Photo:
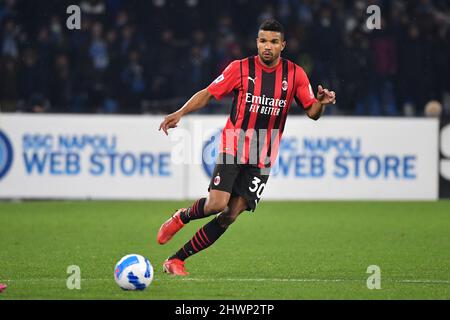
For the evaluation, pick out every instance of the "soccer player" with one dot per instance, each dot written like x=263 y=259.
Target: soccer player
x=264 y=87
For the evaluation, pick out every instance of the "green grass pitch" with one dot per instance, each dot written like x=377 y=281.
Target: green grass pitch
x=285 y=250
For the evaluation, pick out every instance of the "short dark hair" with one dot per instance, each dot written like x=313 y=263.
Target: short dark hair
x=272 y=25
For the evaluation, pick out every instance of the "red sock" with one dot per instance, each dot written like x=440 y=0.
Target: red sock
x=196 y=211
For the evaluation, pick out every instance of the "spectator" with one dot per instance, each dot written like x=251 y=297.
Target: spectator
x=385 y=67
x=134 y=84
x=9 y=41
x=433 y=109
x=30 y=77
x=134 y=53
x=8 y=84
x=412 y=70
x=61 y=93
x=8 y=10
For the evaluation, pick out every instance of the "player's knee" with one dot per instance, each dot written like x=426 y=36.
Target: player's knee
x=226 y=219
x=215 y=205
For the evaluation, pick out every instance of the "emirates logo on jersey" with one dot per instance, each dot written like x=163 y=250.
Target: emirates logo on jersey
x=265 y=101
x=265 y=105
x=284 y=85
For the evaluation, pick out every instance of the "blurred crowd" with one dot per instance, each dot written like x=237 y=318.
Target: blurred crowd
x=135 y=56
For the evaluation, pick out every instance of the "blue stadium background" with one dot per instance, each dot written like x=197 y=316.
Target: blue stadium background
x=137 y=56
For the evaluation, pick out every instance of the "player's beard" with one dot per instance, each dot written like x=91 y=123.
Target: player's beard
x=270 y=60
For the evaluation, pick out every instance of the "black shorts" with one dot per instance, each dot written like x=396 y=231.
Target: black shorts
x=244 y=180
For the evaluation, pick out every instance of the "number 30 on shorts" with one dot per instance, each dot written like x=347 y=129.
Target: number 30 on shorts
x=257 y=187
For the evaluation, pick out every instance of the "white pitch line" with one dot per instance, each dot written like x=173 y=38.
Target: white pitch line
x=423 y=281
x=265 y=280
x=172 y=278
x=308 y=280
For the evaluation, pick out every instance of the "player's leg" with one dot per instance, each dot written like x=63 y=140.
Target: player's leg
x=215 y=202
x=205 y=236
x=247 y=191
x=236 y=206
x=220 y=189
x=250 y=185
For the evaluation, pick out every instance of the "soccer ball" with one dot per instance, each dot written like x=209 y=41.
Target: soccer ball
x=133 y=272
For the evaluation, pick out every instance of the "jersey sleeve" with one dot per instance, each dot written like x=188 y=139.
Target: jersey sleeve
x=229 y=80
x=304 y=92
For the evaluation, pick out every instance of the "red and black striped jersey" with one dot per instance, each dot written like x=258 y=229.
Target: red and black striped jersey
x=262 y=98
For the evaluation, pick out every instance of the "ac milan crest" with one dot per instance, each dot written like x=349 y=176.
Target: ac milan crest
x=216 y=180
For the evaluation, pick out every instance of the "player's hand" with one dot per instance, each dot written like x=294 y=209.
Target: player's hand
x=169 y=122
x=326 y=96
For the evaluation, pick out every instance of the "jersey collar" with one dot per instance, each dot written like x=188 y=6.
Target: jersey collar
x=265 y=68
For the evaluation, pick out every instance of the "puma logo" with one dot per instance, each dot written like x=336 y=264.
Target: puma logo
x=252 y=79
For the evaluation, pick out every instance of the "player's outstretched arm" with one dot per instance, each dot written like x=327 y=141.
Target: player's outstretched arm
x=324 y=97
x=198 y=101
